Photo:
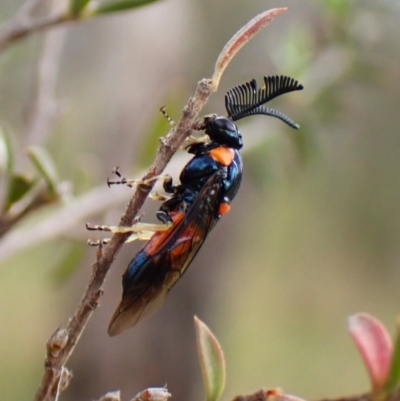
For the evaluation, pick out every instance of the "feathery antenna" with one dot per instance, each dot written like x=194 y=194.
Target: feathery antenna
x=245 y=100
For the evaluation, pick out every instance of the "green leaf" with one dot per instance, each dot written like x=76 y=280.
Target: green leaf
x=120 y=5
x=18 y=187
x=296 y=51
x=394 y=371
x=46 y=167
x=72 y=254
x=339 y=7
x=76 y=6
x=6 y=155
x=212 y=361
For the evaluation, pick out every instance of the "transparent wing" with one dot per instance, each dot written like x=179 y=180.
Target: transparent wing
x=146 y=290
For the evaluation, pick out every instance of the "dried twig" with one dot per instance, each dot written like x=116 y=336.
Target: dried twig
x=22 y=25
x=55 y=362
x=89 y=301
x=19 y=27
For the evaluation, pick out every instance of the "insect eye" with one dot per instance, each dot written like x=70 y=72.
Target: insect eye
x=223 y=131
x=224 y=124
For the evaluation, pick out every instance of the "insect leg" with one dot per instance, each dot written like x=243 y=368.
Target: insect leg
x=168 y=187
x=190 y=140
x=103 y=241
x=142 y=236
x=131 y=182
x=154 y=195
x=166 y=115
x=134 y=229
x=122 y=180
x=193 y=140
x=138 y=231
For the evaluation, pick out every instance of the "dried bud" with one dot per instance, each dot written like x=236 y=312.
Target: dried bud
x=57 y=342
x=111 y=396
x=153 y=394
x=66 y=376
x=278 y=395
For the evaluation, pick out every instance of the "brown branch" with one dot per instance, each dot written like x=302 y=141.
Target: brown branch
x=36 y=199
x=55 y=362
x=15 y=31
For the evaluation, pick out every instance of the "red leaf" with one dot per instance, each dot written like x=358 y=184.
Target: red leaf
x=375 y=346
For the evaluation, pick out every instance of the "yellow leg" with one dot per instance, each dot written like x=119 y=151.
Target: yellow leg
x=103 y=241
x=142 y=236
x=154 y=195
x=135 y=228
x=138 y=231
x=192 y=140
x=133 y=182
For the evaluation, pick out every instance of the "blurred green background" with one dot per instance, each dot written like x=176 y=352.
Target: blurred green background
x=313 y=235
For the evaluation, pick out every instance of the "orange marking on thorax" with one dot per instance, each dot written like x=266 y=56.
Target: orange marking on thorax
x=223 y=155
x=159 y=237
x=223 y=208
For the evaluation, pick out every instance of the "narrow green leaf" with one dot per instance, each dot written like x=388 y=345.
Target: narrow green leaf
x=296 y=51
x=339 y=7
x=120 y=5
x=6 y=156
x=394 y=371
x=76 y=6
x=72 y=254
x=212 y=361
x=18 y=187
x=46 y=167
